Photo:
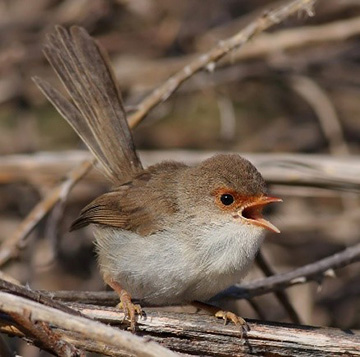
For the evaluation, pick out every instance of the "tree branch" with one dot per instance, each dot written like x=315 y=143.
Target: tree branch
x=311 y=272
x=120 y=340
x=185 y=333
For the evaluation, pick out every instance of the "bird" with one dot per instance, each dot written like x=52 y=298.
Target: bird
x=167 y=234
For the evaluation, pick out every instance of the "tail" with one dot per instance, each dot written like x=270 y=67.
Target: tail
x=97 y=113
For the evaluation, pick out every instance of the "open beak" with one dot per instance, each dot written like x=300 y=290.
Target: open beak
x=252 y=212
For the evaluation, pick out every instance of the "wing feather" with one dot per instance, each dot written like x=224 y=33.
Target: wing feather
x=143 y=205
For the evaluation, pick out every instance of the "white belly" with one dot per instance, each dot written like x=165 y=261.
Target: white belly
x=165 y=269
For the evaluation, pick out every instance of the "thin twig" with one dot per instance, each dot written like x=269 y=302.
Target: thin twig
x=11 y=247
x=315 y=170
x=311 y=272
x=280 y=294
x=256 y=307
x=38 y=296
x=208 y=60
x=263 y=46
x=57 y=212
x=329 y=121
x=42 y=335
x=288 y=39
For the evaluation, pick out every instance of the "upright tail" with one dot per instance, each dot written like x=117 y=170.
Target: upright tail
x=96 y=112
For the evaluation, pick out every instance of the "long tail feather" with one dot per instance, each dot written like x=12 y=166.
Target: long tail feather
x=97 y=113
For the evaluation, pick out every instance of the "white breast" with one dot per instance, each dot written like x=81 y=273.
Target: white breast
x=223 y=256
x=166 y=269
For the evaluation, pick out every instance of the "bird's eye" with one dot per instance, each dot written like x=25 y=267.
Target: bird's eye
x=227 y=199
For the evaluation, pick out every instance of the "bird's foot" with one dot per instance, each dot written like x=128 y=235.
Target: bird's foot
x=226 y=315
x=237 y=320
x=130 y=309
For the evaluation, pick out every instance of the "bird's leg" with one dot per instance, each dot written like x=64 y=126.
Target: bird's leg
x=130 y=309
x=226 y=315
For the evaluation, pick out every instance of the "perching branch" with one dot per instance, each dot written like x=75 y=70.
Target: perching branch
x=123 y=341
x=185 y=333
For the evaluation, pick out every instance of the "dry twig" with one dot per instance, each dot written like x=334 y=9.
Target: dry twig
x=42 y=336
x=326 y=171
x=311 y=272
x=122 y=340
x=186 y=333
x=263 y=46
x=280 y=294
x=11 y=247
x=329 y=121
x=37 y=296
x=208 y=60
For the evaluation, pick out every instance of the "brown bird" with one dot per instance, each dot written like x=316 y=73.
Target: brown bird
x=170 y=233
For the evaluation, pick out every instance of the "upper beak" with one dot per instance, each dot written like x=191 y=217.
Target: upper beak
x=252 y=212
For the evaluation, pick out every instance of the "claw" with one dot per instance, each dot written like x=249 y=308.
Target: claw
x=131 y=311
x=237 y=320
x=226 y=315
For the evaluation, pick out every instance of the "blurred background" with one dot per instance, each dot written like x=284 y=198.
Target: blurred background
x=294 y=90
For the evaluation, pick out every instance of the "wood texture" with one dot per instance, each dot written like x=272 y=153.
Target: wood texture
x=204 y=335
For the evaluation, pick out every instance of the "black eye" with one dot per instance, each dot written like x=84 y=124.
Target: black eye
x=227 y=199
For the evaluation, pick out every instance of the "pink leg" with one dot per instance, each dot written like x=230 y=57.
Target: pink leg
x=130 y=309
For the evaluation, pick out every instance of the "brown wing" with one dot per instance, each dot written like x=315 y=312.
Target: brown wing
x=97 y=114
x=141 y=206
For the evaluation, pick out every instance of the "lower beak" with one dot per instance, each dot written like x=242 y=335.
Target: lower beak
x=252 y=212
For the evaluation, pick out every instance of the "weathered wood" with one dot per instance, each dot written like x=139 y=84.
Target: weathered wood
x=38 y=313
x=206 y=336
